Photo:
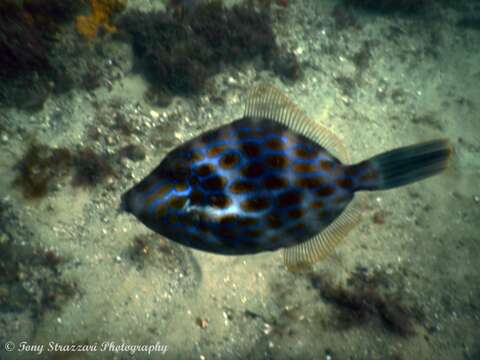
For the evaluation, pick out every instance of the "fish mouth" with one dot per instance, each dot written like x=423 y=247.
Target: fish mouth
x=123 y=207
x=132 y=202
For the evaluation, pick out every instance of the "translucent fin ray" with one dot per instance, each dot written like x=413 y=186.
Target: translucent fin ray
x=323 y=244
x=265 y=101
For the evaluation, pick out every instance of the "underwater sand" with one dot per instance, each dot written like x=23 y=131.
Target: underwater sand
x=417 y=247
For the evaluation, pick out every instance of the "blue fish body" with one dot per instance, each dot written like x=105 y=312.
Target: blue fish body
x=246 y=187
x=260 y=184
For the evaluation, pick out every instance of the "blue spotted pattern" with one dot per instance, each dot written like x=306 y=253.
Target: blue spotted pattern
x=249 y=186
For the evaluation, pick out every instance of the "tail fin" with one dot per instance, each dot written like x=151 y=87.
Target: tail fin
x=401 y=166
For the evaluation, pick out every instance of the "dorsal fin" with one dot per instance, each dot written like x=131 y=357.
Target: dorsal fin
x=265 y=101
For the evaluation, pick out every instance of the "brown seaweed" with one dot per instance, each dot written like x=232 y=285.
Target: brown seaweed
x=179 y=55
x=362 y=301
x=42 y=168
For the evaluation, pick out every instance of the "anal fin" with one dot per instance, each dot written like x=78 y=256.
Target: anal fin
x=303 y=255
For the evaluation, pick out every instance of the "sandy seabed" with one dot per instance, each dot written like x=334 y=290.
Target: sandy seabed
x=106 y=287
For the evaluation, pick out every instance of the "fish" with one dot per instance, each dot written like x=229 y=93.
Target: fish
x=272 y=179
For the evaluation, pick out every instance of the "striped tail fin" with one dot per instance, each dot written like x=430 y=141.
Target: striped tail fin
x=401 y=166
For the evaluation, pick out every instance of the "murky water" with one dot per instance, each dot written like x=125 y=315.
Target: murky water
x=94 y=95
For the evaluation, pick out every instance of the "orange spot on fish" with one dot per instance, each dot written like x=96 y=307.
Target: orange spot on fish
x=255 y=204
x=159 y=193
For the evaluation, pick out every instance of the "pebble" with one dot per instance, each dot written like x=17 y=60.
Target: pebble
x=203 y=323
x=298 y=51
x=476 y=198
x=267 y=328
